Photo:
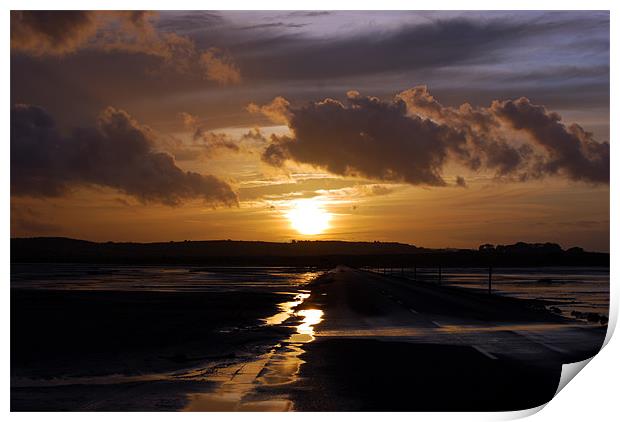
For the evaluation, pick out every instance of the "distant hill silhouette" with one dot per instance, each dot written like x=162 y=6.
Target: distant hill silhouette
x=306 y=253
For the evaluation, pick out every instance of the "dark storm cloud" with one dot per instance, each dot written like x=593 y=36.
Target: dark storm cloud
x=412 y=137
x=369 y=138
x=309 y=13
x=273 y=25
x=436 y=43
x=466 y=58
x=183 y=22
x=487 y=146
x=571 y=150
x=118 y=153
x=560 y=73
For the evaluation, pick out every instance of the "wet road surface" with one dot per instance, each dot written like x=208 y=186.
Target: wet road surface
x=365 y=305
x=393 y=344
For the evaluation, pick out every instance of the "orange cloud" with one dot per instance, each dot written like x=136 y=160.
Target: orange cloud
x=219 y=67
x=58 y=33
x=278 y=110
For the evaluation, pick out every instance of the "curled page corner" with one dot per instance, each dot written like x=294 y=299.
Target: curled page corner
x=518 y=414
x=569 y=371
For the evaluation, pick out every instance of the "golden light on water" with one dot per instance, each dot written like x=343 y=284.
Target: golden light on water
x=286 y=310
x=305 y=331
x=308 y=217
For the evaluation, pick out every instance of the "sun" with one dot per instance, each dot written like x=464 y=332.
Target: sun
x=308 y=217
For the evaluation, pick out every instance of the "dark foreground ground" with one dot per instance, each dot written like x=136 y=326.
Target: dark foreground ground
x=384 y=343
x=373 y=375
x=91 y=333
x=58 y=335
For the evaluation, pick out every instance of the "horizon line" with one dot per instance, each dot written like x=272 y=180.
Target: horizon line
x=292 y=241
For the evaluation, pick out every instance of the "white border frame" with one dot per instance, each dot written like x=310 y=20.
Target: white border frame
x=590 y=396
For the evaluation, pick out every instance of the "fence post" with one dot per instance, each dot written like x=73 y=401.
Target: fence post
x=415 y=273
x=490 y=277
x=440 y=274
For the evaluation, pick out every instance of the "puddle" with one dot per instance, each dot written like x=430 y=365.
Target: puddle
x=286 y=310
x=238 y=390
x=305 y=331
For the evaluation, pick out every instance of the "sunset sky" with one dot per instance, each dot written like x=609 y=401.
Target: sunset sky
x=439 y=129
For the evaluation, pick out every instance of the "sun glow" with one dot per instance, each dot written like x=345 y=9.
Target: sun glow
x=308 y=217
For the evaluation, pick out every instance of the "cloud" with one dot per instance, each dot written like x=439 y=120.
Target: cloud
x=213 y=140
x=571 y=150
x=59 y=33
x=369 y=138
x=273 y=25
x=358 y=191
x=51 y=32
x=254 y=135
x=204 y=143
x=310 y=13
x=439 y=41
x=278 y=110
x=189 y=21
x=205 y=140
x=189 y=120
x=290 y=188
x=118 y=152
x=411 y=138
x=487 y=144
x=379 y=190
x=219 y=67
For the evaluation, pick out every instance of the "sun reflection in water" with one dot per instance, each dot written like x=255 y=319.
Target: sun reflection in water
x=305 y=330
x=238 y=383
x=286 y=310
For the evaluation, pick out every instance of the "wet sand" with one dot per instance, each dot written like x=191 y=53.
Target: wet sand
x=93 y=333
x=115 y=350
